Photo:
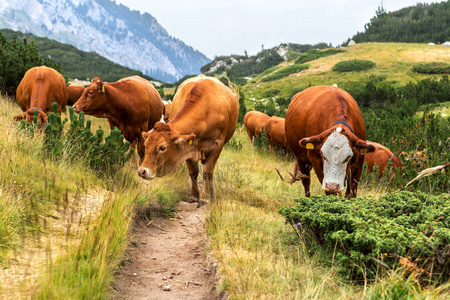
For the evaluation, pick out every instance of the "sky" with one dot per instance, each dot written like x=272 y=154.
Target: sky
x=225 y=27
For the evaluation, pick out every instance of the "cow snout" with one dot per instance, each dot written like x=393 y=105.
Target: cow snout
x=75 y=108
x=144 y=173
x=331 y=187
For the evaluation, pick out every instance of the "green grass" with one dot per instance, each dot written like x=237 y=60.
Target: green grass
x=63 y=229
x=67 y=229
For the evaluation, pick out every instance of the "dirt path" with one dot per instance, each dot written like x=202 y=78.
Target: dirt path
x=167 y=259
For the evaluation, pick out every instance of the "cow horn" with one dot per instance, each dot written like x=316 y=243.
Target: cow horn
x=299 y=176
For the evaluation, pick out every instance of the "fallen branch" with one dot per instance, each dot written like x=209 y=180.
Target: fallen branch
x=428 y=172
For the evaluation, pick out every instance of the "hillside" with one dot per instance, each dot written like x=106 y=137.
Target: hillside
x=393 y=64
x=239 y=67
x=75 y=63
x=423 y=23
x=121 y=35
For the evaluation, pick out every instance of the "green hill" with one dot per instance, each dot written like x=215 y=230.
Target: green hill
x=76 y=63
x=394 y=64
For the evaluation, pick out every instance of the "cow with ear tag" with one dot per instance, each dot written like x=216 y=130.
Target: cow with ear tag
x=325 y=130
x=204 y=118
x=131 y=104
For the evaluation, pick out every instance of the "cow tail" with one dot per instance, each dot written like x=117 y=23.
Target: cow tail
x=234 y=89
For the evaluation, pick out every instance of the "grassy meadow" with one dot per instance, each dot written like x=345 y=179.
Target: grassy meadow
x=64 y=230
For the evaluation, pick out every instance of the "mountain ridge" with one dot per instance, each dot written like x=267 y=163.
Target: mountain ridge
x=121 y=35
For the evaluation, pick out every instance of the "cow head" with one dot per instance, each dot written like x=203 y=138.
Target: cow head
x=42 y=117
x=165 y=150
x=336 y=147
x=92 y=99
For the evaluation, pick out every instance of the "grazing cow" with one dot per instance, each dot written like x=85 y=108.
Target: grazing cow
x=75 y=92
x=38 y=89
x=381 y=157
x=254 y=122
x=131 y=104
x=325 y=131
x=205 y=114
x=276 y=135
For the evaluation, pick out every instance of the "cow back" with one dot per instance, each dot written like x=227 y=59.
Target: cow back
x=254 y=121
x=381 y=157
x=205 y=106
x=275 y=130
x=40 y=87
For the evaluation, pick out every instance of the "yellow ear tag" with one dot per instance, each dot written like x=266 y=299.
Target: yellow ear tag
x=309 y=146
x=103 y=88
x=190 y=142
x=363 y=151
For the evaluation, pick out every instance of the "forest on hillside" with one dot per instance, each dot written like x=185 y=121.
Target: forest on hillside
x=423 y=23
x=74 y=63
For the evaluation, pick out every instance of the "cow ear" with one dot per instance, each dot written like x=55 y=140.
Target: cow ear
x=100 y=87
x=364 y=147
x=310 y=142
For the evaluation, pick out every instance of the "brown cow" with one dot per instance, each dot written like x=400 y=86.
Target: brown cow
x=276 y=135
x=254 y=122
x=205 y=114
x=38 y=89
x=381 y=157
x=131 y=104
x=167 y=112
x=325 y=130
x=75 y=92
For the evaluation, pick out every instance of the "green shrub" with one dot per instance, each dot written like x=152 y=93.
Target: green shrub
x=15 y=59
x=432 y=68
x=234 y=144
x=105 y=156
x=261 y=143
x=353 y=65
x=314 y=54
x=285 y=72
x=393 y=229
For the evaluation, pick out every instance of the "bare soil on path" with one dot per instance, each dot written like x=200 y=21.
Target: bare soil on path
x=167 y=259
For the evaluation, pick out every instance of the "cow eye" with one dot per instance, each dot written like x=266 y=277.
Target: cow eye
x=162 y=148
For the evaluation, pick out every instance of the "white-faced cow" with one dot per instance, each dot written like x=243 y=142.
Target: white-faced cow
x=325 y=130
x=204 y=118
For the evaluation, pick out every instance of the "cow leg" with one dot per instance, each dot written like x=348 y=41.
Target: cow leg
x=352 y=187
x=193 y=173
x=305 y=169
x=208 y=171
x=20 y=117
x=141 y=148
x=133 y=161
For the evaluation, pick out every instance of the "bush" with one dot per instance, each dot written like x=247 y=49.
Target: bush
x=353 y=65
x=261 y=143
x=401 y=229
x=285 y=72
x=432 y=68
x=314 y=54
x=105 y=157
